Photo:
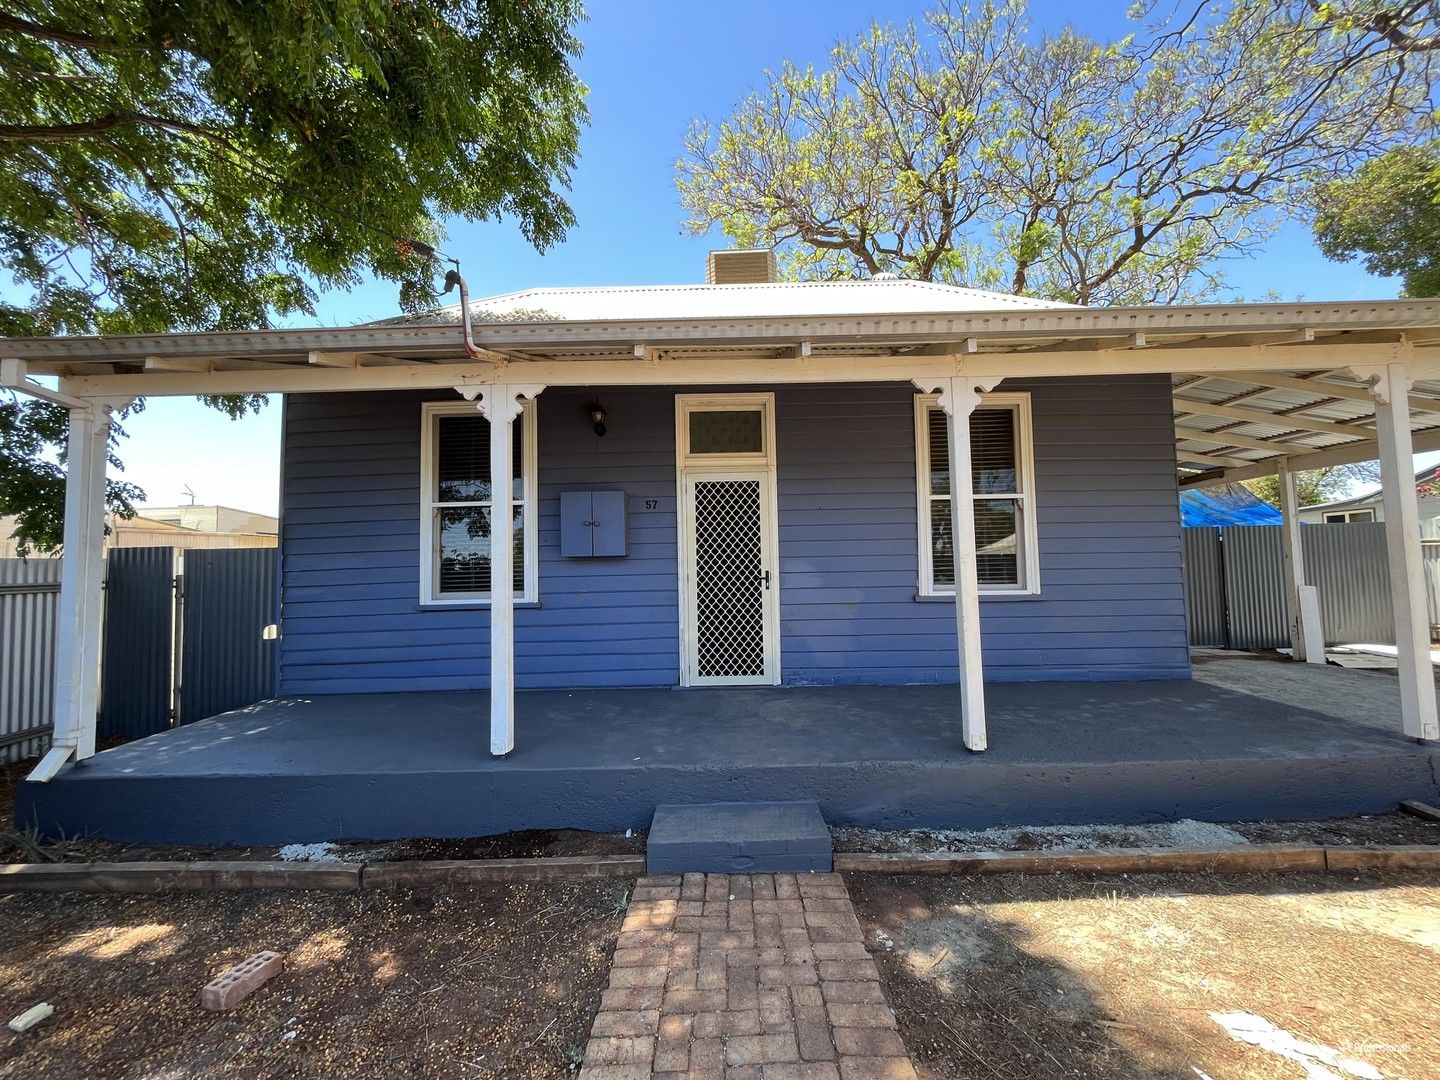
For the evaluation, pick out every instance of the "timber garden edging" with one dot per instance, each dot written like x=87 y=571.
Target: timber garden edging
x=151 y=877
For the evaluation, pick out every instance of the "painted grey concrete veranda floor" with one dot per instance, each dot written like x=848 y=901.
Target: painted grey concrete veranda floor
x=1244 y=738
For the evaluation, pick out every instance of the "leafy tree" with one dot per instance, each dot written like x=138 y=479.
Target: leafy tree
x=1317 y=485
x=1403 y=36
x=1388 y=213
x=966 y=150
x=211 y=164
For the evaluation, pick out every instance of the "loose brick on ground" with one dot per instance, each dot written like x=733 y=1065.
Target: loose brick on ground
x=228 y=990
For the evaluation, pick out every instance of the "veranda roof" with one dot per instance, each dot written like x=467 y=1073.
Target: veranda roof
x=1252 y=383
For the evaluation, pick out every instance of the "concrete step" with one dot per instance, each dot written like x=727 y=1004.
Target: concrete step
x=738 y=838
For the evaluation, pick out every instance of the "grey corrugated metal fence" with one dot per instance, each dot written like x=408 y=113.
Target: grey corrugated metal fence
x=1347 y=564
x=1430 y=554
x=1350 y=568
x=214 y=638
x=29 y=605
x=228 y=599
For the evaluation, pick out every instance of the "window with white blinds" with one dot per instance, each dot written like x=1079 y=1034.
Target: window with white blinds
x=1002 y=485
x=455 y=504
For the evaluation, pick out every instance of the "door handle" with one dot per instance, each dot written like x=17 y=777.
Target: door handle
x=765 y=576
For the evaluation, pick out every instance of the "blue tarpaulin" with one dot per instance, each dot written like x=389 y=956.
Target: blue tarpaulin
x=1227 y=504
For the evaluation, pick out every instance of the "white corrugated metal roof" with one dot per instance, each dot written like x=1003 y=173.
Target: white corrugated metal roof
x=798 y=299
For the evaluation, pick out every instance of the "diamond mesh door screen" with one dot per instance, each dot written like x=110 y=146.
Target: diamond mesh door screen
x=729 y=590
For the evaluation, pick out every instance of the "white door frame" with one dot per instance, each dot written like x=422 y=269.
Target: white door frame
x=757 y=466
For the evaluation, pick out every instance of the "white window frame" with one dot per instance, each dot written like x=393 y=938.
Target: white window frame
x=1348 y=517
x=1019 y=403
x=526 y=591
x=686 y=404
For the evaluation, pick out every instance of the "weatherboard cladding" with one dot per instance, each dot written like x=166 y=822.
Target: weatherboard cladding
x=1112 y=602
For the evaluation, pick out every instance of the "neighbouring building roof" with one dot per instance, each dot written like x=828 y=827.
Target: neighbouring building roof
x=210 y=518
x=142 y=531
x=1226 y=504
x=805 y=299
x=1427 y=482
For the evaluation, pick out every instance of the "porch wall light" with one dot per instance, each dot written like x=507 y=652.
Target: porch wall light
x=597 y=417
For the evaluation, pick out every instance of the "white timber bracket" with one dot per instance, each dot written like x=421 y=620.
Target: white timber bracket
x=15 y=375
x=501 y=403
x=82 y=573
x=1390 y=383
x=958 y=398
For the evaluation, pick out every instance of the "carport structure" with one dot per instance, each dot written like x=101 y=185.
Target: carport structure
x=1234 y=426
x=1256 y=389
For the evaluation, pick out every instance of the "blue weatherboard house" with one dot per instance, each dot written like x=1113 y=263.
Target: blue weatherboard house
x=554 y=557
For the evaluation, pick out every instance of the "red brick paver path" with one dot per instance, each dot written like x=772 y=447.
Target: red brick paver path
x=735 y=977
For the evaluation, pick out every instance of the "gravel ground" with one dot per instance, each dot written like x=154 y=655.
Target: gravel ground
x=1393 y=828
x=467 y=982
x=1112 y=977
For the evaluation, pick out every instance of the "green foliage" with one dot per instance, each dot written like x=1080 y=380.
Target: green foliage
x=32 y=486
x=1317 y=485
x=970 y=150
x=1388 y=213
x=211 y=164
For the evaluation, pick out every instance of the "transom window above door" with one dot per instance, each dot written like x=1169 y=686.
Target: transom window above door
x=1002 y=486
x=726 y=429
x=455 y=505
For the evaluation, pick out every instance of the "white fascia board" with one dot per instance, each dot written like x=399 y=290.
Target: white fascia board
x=713 y=371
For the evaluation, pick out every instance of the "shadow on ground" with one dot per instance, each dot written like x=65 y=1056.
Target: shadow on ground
x=499 y=980
x=1099 y=976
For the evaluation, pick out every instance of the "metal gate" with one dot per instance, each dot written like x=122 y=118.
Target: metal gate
x=227 y=599
x=1205 y=589
x=1255 y=587
x=183 y=639
x=138 y=645
x=1234 y=584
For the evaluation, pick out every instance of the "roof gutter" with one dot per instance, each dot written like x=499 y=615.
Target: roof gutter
x=435 y=340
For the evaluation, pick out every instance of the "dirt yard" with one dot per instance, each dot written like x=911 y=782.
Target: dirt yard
x=467 y=982
x=1113 y=976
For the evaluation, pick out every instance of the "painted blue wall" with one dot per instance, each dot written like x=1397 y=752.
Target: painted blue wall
x=1112 y=605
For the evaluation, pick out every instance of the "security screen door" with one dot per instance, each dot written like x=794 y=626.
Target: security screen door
x=729 y=585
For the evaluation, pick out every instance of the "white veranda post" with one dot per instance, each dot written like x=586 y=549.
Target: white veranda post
x=501 y=404
x=958 y=399
x=1302 y=607
x=82 y=571
x=1390 y=384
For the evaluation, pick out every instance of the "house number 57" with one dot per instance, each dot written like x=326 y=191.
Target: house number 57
x=652 y=504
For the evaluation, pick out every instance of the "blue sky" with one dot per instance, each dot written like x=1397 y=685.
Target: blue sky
x=651 y=67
